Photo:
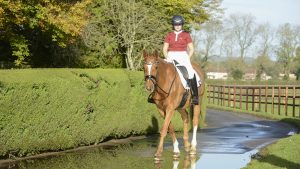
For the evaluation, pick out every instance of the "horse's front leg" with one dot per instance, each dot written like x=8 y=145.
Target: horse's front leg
x=196 y=111
x=163 y=134
x=185 y=118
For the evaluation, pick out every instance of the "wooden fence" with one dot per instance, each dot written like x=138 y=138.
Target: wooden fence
x=282 y=100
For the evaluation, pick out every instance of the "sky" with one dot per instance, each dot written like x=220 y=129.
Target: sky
x=276 y=12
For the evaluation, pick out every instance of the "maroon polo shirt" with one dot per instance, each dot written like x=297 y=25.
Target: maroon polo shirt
x=183 y=40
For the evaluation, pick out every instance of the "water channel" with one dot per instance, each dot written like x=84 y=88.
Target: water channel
x=228 y=142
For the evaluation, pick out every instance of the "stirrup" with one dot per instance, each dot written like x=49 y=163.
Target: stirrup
x=195 y=100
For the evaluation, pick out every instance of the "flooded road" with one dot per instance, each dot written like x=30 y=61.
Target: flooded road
x=227 y=143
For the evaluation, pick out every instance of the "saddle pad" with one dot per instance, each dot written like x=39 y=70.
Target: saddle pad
x=183 y=80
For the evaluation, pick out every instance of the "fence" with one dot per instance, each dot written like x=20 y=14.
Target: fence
x=283 y=100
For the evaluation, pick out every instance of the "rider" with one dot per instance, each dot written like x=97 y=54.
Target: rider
x=178 y=46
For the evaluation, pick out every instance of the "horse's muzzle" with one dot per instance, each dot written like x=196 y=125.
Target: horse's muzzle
x=150 y=83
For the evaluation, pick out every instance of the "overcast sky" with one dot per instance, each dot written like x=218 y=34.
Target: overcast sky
x=276 y=12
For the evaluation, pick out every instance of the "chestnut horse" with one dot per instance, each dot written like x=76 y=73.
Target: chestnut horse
x=163 y=81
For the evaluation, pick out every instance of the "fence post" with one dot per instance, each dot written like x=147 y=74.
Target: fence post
x=241 y=95
x=218 y=95
x=214 y=94
x=294 y=100
x=223 y=96
x=247 y=98
x=279 y=99
x=266 y=98
x=259 y=99
x=234 y=96
x=253 y=98
x=286 y=100
x=273 y=92
x=229 y=95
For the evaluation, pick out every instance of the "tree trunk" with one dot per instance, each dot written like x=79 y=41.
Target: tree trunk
x=129 y=59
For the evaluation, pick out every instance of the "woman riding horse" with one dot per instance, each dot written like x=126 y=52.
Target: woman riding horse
x=167 y=91
x=178 y=46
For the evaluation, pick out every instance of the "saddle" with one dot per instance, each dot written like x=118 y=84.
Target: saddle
x=182 y=69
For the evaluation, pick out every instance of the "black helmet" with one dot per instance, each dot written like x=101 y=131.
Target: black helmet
x=177 y=20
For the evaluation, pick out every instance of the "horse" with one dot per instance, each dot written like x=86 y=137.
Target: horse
x=167 y=91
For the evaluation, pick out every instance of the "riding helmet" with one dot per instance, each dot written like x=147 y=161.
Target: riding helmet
x=177 y=20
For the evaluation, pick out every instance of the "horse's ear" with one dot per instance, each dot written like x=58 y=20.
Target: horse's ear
x=145 y=53
x=155 y=53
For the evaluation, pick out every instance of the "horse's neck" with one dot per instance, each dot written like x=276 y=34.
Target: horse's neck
x=166 y=73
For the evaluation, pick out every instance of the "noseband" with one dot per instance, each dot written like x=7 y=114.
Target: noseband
x=149 y=76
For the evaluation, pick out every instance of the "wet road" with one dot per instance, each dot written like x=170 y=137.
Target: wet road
x=227 y=143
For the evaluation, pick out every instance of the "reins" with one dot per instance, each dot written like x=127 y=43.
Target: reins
x=153 y=79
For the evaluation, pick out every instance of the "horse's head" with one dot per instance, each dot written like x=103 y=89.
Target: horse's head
x=150 y=69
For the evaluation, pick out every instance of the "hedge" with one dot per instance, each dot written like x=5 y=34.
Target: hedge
x=58 y=109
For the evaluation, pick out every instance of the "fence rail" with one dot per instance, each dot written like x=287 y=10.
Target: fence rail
x=283 y=100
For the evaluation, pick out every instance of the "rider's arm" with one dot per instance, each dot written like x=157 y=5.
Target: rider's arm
x=165 y=49
x=190 y=49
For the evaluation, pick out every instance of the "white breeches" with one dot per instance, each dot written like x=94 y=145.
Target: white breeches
x=183 y=59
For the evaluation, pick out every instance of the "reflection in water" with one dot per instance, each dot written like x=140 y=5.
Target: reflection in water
x=187 y=162
x=125 y=156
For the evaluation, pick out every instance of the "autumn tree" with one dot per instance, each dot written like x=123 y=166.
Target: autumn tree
x=24 y=23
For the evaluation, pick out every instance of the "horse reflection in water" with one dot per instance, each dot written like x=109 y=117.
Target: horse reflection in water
x=189 y=162
x=167 y=91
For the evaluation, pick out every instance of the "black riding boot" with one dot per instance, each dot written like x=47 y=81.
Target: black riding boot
x=194 y=89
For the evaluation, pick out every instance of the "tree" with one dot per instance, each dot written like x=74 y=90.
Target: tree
x=206 y=39
x=288 y=43
x=244 y=32
x=24 y=22
x=235 y=66
x=263 y=62
x=266 y=37
x=297 y=62
x=127 y=27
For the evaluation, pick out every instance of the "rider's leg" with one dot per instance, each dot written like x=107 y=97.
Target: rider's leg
x=192 y=81
x=183 y=59
x=194 y=89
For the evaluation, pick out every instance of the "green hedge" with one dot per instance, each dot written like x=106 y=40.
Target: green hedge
x=58 y=109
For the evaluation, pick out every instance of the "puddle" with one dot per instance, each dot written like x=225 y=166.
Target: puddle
x=226 y=146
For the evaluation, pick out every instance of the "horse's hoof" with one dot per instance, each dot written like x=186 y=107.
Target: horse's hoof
x=187 y=149
x=176 y=155
x=193 y=152
x=157 y=158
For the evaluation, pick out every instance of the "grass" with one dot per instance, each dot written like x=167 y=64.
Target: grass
x=283 y=154
x=57 y=109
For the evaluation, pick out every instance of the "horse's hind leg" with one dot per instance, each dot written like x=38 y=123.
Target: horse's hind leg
x=185 y=119
x=196 y=111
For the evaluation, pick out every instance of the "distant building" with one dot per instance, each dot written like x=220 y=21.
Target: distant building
x=291 y=76
x=217 y=75
x=264 y=76
x=249 y=76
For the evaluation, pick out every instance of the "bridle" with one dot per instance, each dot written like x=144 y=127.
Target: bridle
x=149 y=76
x=154 y=79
